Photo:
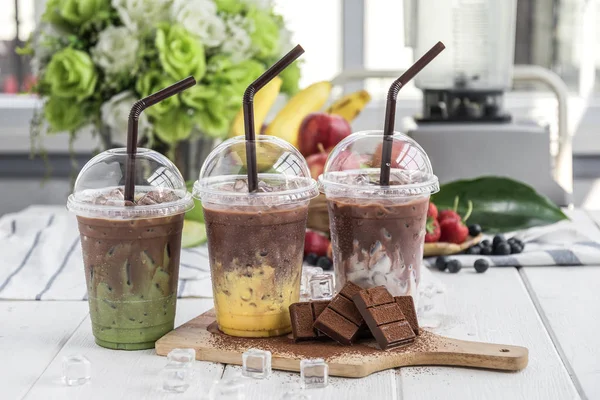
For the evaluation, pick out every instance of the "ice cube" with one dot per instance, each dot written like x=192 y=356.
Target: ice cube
x=228 y=389
x=361 y=179
x=116 y=194
x=379 y=279
x=176 y=377
x=256 y=363
x=380 y=262
x=321 y=286
x=295 y=395
x=77 y=370
x=314 y=373
x=307 y=272
x=264 y=187
x=182 y=356
x=240 y=185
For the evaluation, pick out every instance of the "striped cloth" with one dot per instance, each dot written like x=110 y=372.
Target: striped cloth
x=40 y=258
x=557 y=244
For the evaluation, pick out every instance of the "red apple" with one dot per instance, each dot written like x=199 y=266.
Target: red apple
x=316 y=164
x=315 y=242
x=321 y=128
x=400 y=159
x=346 y=160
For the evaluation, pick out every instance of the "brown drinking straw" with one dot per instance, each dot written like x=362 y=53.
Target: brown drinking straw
x=248 y=107
x=132 y=128
x=390 y=109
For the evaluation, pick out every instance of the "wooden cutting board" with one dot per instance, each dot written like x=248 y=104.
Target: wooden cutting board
x=357 y=361
x=446 y=249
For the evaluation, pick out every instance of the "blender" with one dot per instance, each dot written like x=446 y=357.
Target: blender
x=463 y=126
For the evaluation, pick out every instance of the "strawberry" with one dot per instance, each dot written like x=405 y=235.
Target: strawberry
x=453 y=231
x=433 y=230
x=450 y=214
x=453 y=228
x=315 y=242
x=432 y=211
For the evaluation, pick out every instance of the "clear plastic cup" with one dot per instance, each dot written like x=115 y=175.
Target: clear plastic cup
x=255 y=240
x=377 y=232
x=130 y=251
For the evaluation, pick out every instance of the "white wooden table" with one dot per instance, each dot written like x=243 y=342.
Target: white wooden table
x=554 y=311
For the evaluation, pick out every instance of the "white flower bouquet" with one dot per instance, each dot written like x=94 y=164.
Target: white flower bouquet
x=95 y=58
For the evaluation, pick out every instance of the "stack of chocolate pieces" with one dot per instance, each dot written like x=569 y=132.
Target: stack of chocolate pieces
x=354 y=312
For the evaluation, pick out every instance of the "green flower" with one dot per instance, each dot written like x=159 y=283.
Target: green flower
x=76 y=12
x=63 y=114
x=179 y=52
x=173 y=126
x=265 y=36
x=223 y=71
x=214 y=107
x=71 y=74
x=152 y=82
x=230 y=6
x=217 y=100
x=52 y=13
x=291 y=78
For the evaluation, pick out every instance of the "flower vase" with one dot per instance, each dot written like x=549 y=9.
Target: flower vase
x=190 y=155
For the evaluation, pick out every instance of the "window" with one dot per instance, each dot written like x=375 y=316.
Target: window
x=317 y=26
x=16 y=24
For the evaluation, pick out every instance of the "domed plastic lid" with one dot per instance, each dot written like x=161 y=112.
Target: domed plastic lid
x=354 y=165
x=283 y=175
x=159 y=187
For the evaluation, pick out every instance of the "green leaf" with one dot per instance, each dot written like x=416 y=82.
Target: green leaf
x=499 y=204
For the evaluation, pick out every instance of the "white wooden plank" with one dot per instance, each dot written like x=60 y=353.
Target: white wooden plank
x=491 y=307
x=381 y=385
x=123 y=374
x=31 y=334
x=570 y=300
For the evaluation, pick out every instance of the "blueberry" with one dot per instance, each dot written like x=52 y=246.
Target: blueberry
x=324 y=263
x=520 y=243
x=453 y=266
x=473 y=250
x=502 y=249
x=481 y=265
x=311 y=258
x=440 y=263
x=511 y=240
x=485 y=243
x=515 y=248
x=486 y=251
x=498 y=239
x=474 y=230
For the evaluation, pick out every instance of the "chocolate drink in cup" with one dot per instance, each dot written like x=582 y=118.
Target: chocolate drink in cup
x=377 y=232
x=255 y=240
x=130 y=251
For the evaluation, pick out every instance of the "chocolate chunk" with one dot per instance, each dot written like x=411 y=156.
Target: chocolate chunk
x=407 y=305
x=384 y=317
x=341 y=321
x=303 y=316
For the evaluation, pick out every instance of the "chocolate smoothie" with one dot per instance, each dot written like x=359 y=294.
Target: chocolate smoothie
x=378 y=242
x=131 y=269
x=256 y=262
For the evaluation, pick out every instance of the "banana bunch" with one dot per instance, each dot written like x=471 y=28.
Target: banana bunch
x=263 y=101
x=350 y=105
x=286 y=123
